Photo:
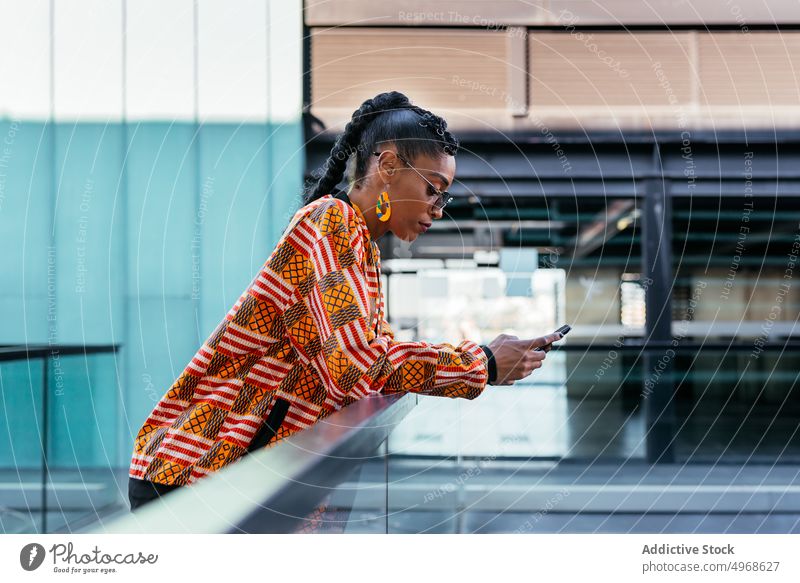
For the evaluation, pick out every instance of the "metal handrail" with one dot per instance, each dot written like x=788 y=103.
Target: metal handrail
x=31 y=351
x=679 y=345
x=273 y=489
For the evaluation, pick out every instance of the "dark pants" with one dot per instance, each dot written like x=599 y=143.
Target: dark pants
x=143 y=491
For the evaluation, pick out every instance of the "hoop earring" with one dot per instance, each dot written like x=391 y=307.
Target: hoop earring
x=383 y=209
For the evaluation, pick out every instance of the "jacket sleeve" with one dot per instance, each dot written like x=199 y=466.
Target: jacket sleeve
x=329 y=325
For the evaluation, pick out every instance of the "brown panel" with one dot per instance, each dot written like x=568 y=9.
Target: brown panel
x=486 y=13
x=659 y=12
x=609 y=69
x=758 y=68
x=546 y=12
x=446 y=69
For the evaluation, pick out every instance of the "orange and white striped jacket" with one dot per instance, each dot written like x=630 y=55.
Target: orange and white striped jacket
x=308 y=336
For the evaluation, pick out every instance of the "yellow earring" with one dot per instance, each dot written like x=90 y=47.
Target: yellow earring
x=383 y=209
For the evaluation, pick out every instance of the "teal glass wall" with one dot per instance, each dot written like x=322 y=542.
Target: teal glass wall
x=142 y=235
x=151 y=156
x=137 y=234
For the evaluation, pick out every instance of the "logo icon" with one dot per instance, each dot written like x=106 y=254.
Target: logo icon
x=31 y=556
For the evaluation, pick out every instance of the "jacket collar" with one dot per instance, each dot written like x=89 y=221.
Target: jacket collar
x=342 y=195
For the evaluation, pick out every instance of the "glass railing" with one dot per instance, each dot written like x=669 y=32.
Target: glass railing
x=552 y=453
x=567 y=450
x=59 y=423
x=729 y=402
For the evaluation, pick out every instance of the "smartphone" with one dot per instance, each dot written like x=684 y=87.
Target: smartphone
x=563 y=330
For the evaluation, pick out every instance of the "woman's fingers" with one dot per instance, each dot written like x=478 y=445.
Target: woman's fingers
x=544 y=343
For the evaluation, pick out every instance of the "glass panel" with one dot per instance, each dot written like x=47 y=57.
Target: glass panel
x=80 y=427
x=735 y=302
x=357 y=505
x=21 y=385
x=734 y=406
x=483 y=465
x=424 y=490
x=82 y=440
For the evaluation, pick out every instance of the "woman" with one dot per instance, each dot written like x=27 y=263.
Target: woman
x=308 y=336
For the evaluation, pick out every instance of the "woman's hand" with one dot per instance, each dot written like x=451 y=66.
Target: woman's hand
x=516 y=359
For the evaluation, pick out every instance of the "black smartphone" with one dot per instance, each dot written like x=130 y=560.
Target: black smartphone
x=563 y=330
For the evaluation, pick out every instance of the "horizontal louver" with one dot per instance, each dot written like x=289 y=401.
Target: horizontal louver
x=609 y=69
x=575 y=78
x=439 y=69
x=759 y=68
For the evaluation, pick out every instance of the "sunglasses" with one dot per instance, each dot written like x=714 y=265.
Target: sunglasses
x=442 y=196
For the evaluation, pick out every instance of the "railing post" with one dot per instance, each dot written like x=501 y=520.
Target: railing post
x=45 y=438
x=386 y=479
x=657 y=382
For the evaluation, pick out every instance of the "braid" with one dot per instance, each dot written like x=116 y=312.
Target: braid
x=347 y=142
x=439 y=125
x=387 y=117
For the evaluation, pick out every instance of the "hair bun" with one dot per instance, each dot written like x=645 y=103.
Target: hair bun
x=367 y=128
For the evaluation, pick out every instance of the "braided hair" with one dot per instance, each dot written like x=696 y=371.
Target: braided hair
x=387 y=117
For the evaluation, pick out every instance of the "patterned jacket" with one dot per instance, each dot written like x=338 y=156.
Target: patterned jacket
x=308 y=336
